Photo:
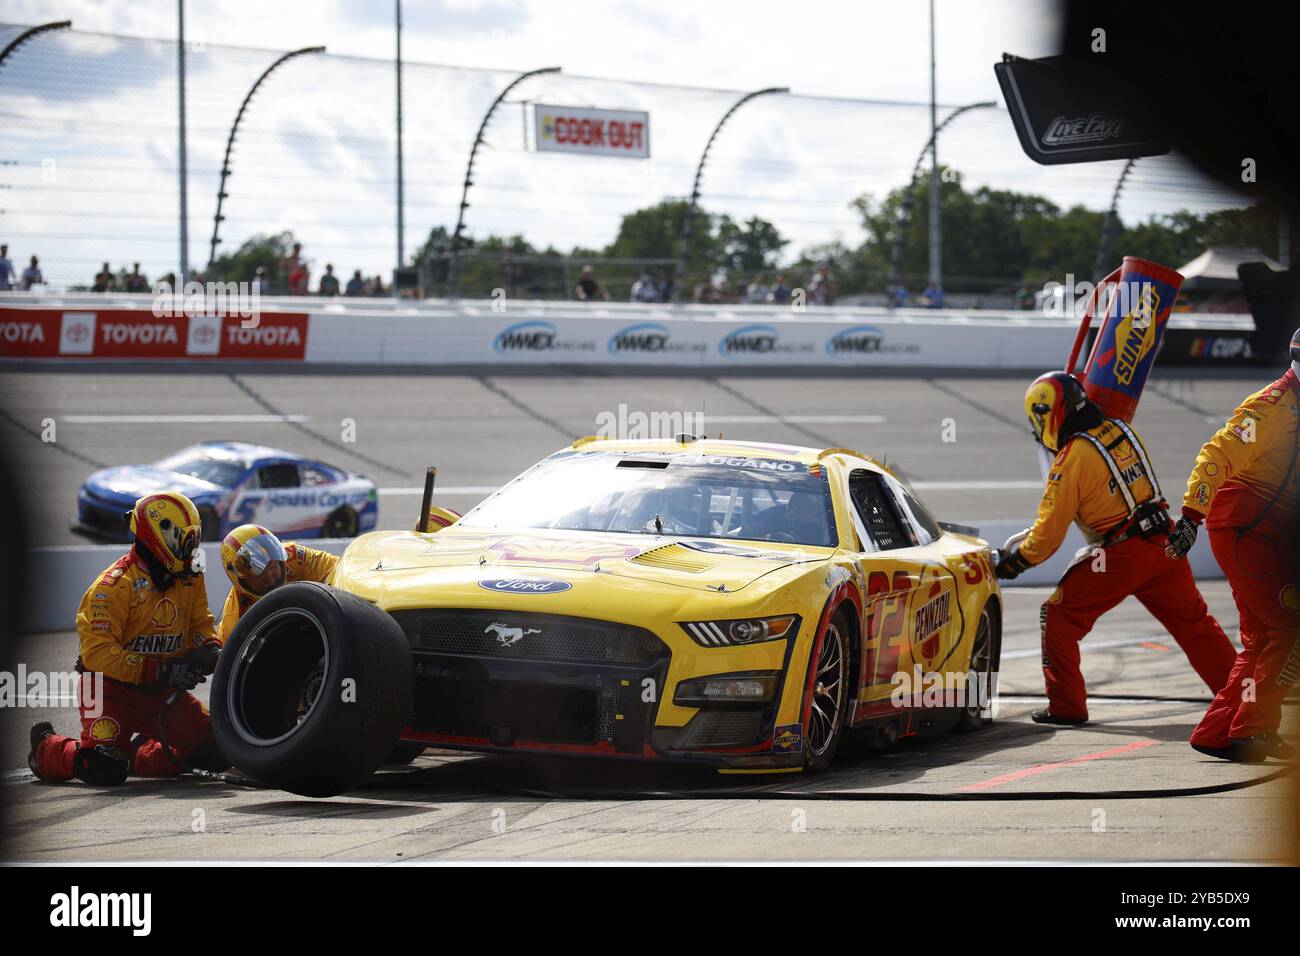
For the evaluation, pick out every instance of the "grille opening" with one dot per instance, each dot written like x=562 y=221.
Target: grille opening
x=529 y=636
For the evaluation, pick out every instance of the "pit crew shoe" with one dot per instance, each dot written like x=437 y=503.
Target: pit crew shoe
x=1047 y=717
x=101 y=766
x=39 y=732
x=1249 y=749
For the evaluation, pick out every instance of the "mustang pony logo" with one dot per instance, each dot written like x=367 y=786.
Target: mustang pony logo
x=509 y=636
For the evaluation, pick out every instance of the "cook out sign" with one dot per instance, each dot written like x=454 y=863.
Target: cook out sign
x=576 y=129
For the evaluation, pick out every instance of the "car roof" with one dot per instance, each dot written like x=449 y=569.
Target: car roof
x=723 y=447
x=246 y=451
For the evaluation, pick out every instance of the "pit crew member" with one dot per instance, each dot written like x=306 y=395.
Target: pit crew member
x=145 y=628
x=1102 y=479
x=1244 y=489
x=257 y=562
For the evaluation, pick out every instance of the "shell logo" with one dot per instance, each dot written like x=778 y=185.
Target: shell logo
x=105 y=728
x=164 y=615
x=1289 y=598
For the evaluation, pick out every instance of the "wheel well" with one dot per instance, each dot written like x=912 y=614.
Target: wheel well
x=995 y=606
x=852 y=626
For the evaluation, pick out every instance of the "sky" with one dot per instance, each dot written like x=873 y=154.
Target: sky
x=89 y=158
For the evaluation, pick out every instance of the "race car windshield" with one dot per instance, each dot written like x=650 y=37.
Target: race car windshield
x=199 y=464
x=697 y=495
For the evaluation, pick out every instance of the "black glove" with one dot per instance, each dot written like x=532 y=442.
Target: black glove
x=181 y=673
x=204 y=657
x=1181 y=538
x=1012 y=565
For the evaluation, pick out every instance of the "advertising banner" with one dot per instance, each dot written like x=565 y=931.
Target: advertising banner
x=140 y=334
x=591 y=132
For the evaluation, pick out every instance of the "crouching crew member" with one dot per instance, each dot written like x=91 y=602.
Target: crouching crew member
x=1244 y=489
x=257 y=563
x=145 y=627
x=1102 y=479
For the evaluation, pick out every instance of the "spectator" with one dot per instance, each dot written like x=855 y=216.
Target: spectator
x=6 y=270
x=136 y=281
x=821 y=290
x=105 y=281
x=261 y=285
x=645 y=289
x=708 y=293
x=299 y=279
x=779 y=294
x=291 y=263
x=758 y=291
x=932 y=297
x=32 y=275
x=329 y=282
x=356 y=285
x=665 y=289
x=899 y=297
x=377 y=286
x=1025 y=298
x=588 y=289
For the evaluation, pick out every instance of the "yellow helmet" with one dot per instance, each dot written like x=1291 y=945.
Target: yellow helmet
x=440 y=518
x=1050 y=400
x=167 y=525
x=255 y=560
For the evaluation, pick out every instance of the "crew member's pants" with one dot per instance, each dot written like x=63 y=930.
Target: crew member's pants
x=1165 y=586
x=1263 y=574
x=123 y=712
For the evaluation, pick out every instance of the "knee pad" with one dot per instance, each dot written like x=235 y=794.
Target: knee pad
x=207 y=756
x=101 y=766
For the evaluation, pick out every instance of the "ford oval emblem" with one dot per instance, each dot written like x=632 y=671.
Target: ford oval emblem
x=525 y=585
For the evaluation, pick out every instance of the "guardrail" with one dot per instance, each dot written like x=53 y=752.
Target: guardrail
x=393 y=332
x=60 y=576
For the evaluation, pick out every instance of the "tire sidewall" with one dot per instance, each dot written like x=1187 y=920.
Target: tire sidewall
x=364 y=700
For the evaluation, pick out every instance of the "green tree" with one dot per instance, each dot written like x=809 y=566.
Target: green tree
x=262 y=250
x=748 y=248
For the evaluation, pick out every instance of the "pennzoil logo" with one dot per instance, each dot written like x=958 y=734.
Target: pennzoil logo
x=155 y=643
x=1136 y=334
x=931 y=618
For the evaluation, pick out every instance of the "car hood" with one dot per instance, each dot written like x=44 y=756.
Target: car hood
x=396 y=568
x=129 y=482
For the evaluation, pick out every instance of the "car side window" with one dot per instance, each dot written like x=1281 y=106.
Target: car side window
x=278 y=475
x=884 y=526
x=313 y=475
x=914 y=513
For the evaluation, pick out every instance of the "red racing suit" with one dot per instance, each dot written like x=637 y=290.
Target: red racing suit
x=127 y=627
x=1098 y=480
x=1246 y=487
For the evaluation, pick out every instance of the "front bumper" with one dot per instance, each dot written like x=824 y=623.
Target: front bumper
x=100 y=517
x=552 y=683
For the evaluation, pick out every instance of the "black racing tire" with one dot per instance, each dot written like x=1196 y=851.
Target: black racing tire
x=403 y=754
x=311 y=689
x=210 y=524
x=831 y=684
x=985 y=655
x=341 y=523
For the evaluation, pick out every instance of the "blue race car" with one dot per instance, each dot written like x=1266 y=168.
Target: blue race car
x=234 y=483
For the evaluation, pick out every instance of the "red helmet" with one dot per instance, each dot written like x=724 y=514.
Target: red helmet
x=1050 y=400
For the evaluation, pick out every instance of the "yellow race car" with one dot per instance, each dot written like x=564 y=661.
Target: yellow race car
x=739 y=604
